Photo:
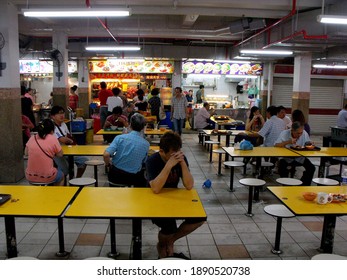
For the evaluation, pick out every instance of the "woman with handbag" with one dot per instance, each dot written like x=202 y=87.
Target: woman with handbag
x=41 y=149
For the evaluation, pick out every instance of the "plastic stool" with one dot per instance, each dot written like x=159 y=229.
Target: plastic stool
x=22 y=258
x=279 y=211
x=252 y=183
x=232 y=165
x=211 y=142
x=289 y=181
x=325 y=182
x=95 y=163
x=81 y=182
x=220 y=152
x=40 y=184
x=201 y=137
x=263 y=165
x=328 y=257
x=155 y=142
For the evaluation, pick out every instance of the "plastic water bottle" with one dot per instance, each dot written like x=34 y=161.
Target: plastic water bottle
x=344 y=181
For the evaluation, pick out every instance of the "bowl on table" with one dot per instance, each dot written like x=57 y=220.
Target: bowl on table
x=162 y=128
x=114 y=127
x=309 y=196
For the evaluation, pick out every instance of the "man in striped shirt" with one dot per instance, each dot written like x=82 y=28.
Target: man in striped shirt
x=179 y=110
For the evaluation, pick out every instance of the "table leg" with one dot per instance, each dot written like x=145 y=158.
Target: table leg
x=321 y=167
x=137 y=239
x=231 y=179
x=113 y=253
x=227 y=144
x=327 y=241
x=250 y=198
x=71 y=167
x=96 y=175
x=11 y=240
x=62 y=252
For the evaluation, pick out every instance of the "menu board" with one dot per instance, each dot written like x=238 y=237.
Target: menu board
x=36 y=66
x=118 y=66
x=201 y=67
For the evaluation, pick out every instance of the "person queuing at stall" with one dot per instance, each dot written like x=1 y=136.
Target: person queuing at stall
x=73 y=98
x=179 y=109
x=296 y=136
x=298 y=116
x=155 y=103
x=200 y=94
x=342 y=118
x=64 y=137
x=117 y=119
x=29 y=93
x=126 y=155
x=115 y=100
x=141 y=104
x=190 y=100
x=164 y=169
x=103 y=94
x=281 y=113
x=41 y=149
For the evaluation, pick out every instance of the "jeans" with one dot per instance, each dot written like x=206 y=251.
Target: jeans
x=178 y=125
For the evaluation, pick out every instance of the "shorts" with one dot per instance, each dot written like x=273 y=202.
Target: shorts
x=59 y=177
x=169 y=226
x=80 y=161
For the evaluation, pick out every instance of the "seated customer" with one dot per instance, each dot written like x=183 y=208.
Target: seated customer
x=41 y=149
x=64 y=137
x=295 y=136
x=128 y=153
x=164 y=170
x=202 y=118
x=116 y=119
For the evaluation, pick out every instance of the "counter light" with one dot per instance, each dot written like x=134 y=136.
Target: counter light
x=242 y=76
x=86 y=12
x=329 y=66
x=332 y=19
x=266 y=52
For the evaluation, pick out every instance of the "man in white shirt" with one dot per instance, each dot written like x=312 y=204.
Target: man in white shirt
x=62 y=132
x=201 y=120
x=282 y=115
x=114 y=101
x=296 y=136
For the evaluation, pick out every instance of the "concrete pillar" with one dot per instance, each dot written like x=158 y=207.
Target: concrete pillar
x=302 y=84
x=60 y=70
x=265 y=91
x=83 y=87
x=344 y=93
x=11 y=143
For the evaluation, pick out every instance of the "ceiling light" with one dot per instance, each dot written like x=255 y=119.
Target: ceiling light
x=232 y=61
x=86 y=12
x=329 y=66
x=332 y=19
x=266 y=52
x=113 y=48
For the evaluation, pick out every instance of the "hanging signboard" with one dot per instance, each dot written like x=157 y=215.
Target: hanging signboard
x=36 y=66
x=201 y=67
x=118 y=66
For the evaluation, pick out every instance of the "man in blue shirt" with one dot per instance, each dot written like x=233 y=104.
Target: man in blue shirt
x=296 y=136
x=128 y=153
x=342 y=118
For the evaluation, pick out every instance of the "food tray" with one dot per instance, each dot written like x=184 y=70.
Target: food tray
x=221 y=118
x=300 y=148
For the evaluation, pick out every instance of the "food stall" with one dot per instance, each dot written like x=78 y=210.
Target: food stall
x=221 y=81
x=129 y=75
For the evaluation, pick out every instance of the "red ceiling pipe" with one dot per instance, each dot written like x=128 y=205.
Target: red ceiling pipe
x=292 y=12
x=296 y=34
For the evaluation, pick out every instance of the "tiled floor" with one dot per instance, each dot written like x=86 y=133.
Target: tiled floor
x=227 y=234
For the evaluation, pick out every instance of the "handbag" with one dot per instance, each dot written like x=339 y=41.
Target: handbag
x=162 y=115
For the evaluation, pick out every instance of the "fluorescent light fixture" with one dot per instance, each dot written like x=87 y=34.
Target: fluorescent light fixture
x=242 y=76
x=332 y=19
x=329 y=66
x=232 y=61
x=126 y=60
x=266 y=52
x=73 y=12
x=113 y=48
x=245 y=57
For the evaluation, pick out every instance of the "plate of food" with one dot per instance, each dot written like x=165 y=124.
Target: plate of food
x=338 y=197
x=305 y=148
x=221 y=118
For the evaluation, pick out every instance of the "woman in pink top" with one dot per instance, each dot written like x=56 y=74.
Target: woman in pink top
x=41 y=149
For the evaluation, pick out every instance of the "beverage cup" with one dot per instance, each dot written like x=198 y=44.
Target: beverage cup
x=324 y=198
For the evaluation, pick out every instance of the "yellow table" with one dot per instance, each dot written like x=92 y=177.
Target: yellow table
x=146 y=132
x=34 y=201
x=86 y=150
x=324 y=153
x=135 y=204
x=292 y=198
